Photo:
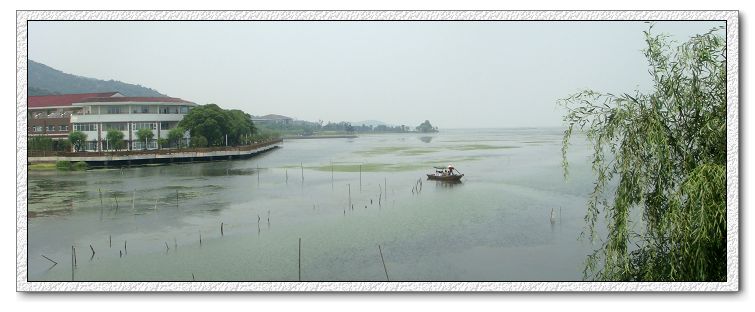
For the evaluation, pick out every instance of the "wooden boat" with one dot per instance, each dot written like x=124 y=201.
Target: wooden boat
x=449 y=174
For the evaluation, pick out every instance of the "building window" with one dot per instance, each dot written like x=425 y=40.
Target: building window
x=85 y=127
x=114 y=110
x=121 y=126
x=144 y=125
x=50 y=128
x=139 y=145
x=164 y=125
x=64 y=128
x=90 y=146
x=37 y=128
x=169 y=110
x=184 y=110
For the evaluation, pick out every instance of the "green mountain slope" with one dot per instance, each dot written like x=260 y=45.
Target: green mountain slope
x=45 y=80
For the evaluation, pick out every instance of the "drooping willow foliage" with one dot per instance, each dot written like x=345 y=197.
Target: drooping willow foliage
x=661 y=156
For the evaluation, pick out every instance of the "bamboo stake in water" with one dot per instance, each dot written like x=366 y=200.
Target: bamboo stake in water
x=110 y=240
x=221 y=228
x=53 y=261
x=72 y=262
x=383 y=260
x=300 y=259
x=125 y=247
x=302 y=172
x=386 y=188
x=200 y=238
x=75 y=263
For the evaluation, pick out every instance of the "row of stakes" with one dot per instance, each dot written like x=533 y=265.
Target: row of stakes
x=74 y=263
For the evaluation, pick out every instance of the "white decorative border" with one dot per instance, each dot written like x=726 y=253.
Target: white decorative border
x=732 y=33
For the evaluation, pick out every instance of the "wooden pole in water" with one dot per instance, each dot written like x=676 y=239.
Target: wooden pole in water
x=125 y=247
x=110 y=240
x=92 y=248
x=302 y=172
x=72 y=262
x=75 y=263
x=53 y=261
x=200 y=238
x=221 y=228
x=300 y=259
x=176 y=198
x=383 y=260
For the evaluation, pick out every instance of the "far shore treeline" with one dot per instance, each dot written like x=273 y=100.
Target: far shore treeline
x=210 y=125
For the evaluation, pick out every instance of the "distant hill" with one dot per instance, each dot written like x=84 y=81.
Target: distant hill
x=45 y=80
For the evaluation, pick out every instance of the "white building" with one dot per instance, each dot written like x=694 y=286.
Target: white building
x=128 y=114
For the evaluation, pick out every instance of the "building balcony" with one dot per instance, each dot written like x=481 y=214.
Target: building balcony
x=125 y=118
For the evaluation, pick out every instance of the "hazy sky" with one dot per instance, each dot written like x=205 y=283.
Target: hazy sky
x=456 y=74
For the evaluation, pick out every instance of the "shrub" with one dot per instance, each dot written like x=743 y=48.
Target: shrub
x=63 y=165
x=80 y=165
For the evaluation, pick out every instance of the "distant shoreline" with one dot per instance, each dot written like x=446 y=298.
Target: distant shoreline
x=335 y=136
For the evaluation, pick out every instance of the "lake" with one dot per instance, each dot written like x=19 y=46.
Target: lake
x=145 y=223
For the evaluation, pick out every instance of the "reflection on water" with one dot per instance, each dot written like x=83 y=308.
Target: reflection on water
x=426 y=139
x=250 y=214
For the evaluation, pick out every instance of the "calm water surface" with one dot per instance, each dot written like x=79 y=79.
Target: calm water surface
x=145 y=223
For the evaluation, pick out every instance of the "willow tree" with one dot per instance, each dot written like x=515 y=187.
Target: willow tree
x=659 y=160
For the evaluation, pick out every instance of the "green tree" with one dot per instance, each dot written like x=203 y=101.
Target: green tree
x=660 y=165
x=426 y=127
x=162 y=142
x=144 y=134
x=240 y=126
x=78 y=139
x=114 y=139
x=198 y=141
x=40 y=143
x=209 y=121
x=176 y=136
x=63 y=145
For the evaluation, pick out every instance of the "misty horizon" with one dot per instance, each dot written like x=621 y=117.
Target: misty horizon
x=457 y=75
